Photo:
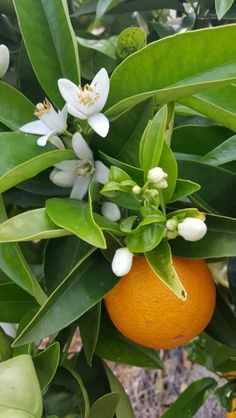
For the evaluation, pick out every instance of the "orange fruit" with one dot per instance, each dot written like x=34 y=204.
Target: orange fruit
x=143 y=308
x=232 y=414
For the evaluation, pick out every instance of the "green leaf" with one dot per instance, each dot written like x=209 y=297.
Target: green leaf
x=130 y=40
x=113 y=346
x=60 y=258
x=124 y=408
x=212 y=68
x=30 y=225
x=50 y=43
x=135 y=173
x=5 y=346
x=14 y=303
x=21 y=158
x=222 y=154
x=168 y=164
x=67 y=395
x=210 y=198
x=219 y=241
x=103 y=6
x=160 y=261
x=222 y=325
x=191 y=399
x=222 y=7
x=145 y=238
x=140 y=5
x=15 y=108
x=105 y=46
x=21 y=398
x=226 y=394
x=125 y=134
x=184 y=188
x=89 y=324
x=217 y=104
x=77 y=217
x=46 y=364
x=105 y=406
x=79 y=292
x=153 y=140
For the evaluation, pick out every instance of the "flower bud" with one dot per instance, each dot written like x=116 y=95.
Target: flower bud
x=9 y=329
x=171 y=234
x=156 y=175
x=162 y=184
x=110 y=211
x=171 y=224
x=136 y=189
x=192 y=229
x=122 y=262
x=4 y=59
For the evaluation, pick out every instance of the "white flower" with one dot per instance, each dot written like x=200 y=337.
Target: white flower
x=4 y=59
x=87 y=102
x=111 y=211
x=78 y=173
x=50 y=124
x=157 y=176
x=122 y=262
x=9 y=329
x=192 y=229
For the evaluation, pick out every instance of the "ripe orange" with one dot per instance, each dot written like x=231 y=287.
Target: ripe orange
x=147 y=312
x=232 y=414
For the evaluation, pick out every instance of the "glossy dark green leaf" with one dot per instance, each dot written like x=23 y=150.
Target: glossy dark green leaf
x=105 y=407
x=222 y=7
x=146 y=238
x=184 y=188
x=60 y=257
x=23 y=396
x=15 y=108
x=89 y=324
x=153 y=140
x=214 y=199
x=124 y=408
x=21 y=158
x=52 y=55
x=67 y=395
x=79 y=292
x=112 y=345
x=135 y=173
x=46 y=364
x=76 y=216
x=107 y=225
x=222 y=154
x=223 y=325
x=14 y=303
x=219 y=241
x=208 y=69
x=31 y=225
x=191 y=399
x=160 y=261
x=125 y=134
x=226 y=394
x=5 y=346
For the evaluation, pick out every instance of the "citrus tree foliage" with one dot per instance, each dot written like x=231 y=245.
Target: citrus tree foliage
x=171 y=106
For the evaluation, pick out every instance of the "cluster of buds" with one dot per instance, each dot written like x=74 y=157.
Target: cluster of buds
x=191 y=229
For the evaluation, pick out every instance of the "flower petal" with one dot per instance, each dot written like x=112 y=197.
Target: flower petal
x=81 y=147
x=4 y=59
x=36 y=128
x=62 y=178
x=42 y=140
x=80 y=187
x=68 y=91
x=67 y=165
x=101 y=83
x=75 y=112
x=63 y=114
x=99 y=123
x=55 y=140
x=9 y=329
x=101 y=172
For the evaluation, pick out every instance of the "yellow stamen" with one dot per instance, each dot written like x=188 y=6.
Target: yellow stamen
x=42 y=108
x=88 y=95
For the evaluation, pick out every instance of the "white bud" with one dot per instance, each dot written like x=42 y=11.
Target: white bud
x=110 y=211
x=162 y=184
x=192 y=229
x=9 y=329
x=4 y=59
x=171 y=224
x=136 y=189
x=122 y=262
x=156 y=174
x=171 y=234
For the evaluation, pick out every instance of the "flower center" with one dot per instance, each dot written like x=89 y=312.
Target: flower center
x=88 y=95
x=42 y=108
x=84 y=168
